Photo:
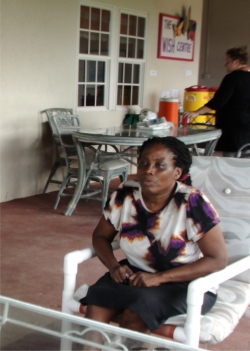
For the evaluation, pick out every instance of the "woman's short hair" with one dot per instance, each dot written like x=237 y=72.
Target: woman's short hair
x=240 y=54
x=182 y=157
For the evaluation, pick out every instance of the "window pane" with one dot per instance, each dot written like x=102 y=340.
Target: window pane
x=131 y=47
x=123 y=47
x=84 y=17
x=101 y=72
x=124 y=24
x=119 y=95
x=84 y=42
x=95 y=29
x=81 y=75
x=141 y=27
x=127 y=95
x=120 y=73
x=136 y=74
x=90 y=95
x=132 y=25
x=94 y=43
x=100 y=95
x=95 y=19
x=104 y=44
x=105 y=21
x=91 y=71
x=140 y=48
x=128 y=73
x=81 y=95
x=135 y=96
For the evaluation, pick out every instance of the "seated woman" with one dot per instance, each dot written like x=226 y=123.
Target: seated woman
x=170 y=235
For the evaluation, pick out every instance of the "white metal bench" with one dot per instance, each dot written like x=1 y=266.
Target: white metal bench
x=226 y=182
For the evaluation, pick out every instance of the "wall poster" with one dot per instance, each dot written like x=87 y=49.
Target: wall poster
x=176 y=37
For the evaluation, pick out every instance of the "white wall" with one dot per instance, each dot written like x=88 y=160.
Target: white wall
x=39 y=71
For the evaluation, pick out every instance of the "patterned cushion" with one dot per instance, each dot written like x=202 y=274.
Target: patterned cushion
x=237 y=237
x=220 y=321
x=226 y=181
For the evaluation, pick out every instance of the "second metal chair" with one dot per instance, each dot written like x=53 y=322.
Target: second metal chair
x=60 y=160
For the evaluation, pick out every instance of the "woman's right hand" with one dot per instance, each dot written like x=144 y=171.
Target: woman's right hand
x=190 y=114
x=120 y=274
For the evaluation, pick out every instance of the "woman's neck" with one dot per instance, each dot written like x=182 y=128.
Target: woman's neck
x=156 y=202
x=245 y=68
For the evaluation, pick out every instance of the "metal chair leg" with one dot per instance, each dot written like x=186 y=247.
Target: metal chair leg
x=60 y=192
x=123 y=177
x=105 y=190
x=52 y=173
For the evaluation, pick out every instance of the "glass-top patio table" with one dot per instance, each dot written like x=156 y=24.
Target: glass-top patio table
x=25 y=326
x=129 y=137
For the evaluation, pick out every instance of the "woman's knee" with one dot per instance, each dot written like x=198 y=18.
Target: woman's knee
x=101 y=314
x=131 y=320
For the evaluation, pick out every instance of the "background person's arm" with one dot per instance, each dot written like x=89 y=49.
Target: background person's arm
x=193 y=114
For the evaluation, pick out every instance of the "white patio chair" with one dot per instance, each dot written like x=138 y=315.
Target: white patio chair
x=226 y=181
x=244 y=151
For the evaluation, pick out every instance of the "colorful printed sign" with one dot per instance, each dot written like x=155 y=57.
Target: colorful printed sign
x=176 y=37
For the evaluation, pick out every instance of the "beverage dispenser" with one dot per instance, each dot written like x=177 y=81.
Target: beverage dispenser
x=168 y=108
x=195 y=97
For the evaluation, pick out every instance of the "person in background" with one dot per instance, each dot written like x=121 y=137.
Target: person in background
x=170 y=235
x=232 y=104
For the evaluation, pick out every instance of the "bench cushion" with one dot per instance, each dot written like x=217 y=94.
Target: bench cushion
x=217 y=324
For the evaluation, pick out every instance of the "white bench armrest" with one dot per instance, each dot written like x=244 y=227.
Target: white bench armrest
x=195 y=296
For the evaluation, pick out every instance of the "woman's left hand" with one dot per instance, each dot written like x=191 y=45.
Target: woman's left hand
x=145 y=279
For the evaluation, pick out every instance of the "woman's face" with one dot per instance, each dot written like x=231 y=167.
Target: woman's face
x=231 y=65
x=156 y=171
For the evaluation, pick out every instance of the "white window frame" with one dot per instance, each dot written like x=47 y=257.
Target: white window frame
x=112 y=60
x=140 y=62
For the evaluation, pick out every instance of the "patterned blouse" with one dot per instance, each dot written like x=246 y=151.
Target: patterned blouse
x=158 y=241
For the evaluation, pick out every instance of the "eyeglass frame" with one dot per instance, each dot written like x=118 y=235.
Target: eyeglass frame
x=227 y=62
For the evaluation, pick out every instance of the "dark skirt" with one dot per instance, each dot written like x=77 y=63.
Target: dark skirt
x=153 y=304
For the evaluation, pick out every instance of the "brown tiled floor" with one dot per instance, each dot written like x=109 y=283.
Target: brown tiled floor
x=34 y=240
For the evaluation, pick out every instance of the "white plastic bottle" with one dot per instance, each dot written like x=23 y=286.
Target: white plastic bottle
x=180 y=113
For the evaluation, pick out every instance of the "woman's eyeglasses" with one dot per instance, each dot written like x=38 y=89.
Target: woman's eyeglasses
x=227 y=62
